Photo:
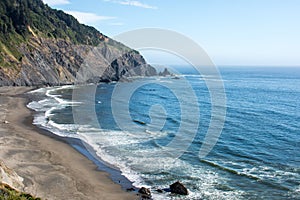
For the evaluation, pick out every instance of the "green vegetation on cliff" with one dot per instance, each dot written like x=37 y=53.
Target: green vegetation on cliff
x=8 y=193
x=42 y=46
x=21 y=19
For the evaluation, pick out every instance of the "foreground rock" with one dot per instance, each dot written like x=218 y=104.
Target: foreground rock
x=10 y=177
x=145 y=192
x=178 y=188
x=11 y=185
x=7 y=193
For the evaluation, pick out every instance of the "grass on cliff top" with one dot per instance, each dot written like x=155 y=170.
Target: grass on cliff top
x=22 y=19
x=8 y=193
x=17 y=15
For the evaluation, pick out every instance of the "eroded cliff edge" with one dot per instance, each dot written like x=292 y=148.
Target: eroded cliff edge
x=57 y=62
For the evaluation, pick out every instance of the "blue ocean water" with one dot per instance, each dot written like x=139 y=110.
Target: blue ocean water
x=128 y=124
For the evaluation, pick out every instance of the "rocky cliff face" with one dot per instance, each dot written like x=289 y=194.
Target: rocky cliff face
x=8 y=176
x=43 y=46
x=59 y=62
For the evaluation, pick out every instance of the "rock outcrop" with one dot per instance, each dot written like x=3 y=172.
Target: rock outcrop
x=166 y=72
x=7 y=192
x=10 y=177
x=178 y=188
x=145 y=192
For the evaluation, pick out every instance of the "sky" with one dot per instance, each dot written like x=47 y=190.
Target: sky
x=232 y=32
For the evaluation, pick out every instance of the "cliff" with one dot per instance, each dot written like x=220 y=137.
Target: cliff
x=8 y=176
x=43 y=46
x=11 y=185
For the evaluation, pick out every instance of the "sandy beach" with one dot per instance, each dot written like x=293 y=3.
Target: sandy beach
x=51 y=169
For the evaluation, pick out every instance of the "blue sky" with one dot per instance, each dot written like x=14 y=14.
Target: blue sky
x=232 y=32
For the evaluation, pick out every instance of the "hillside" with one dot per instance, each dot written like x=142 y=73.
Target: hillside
x=43 y=46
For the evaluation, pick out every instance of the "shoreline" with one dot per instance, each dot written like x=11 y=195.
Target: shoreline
x=114 y=174
x=52 y=167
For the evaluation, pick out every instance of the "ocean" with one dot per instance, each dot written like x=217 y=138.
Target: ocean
x=152 y=129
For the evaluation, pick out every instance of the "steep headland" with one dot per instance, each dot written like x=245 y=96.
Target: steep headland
x=43 y=46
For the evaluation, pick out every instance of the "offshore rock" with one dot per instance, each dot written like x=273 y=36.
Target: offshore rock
x=178 y=188
x=166 y=72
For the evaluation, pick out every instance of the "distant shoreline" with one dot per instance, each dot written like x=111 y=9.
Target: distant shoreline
x=51 y=168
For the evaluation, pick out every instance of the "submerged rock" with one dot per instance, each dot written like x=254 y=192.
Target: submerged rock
x=130 y=189
x=178 y=188
x=159 y=191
